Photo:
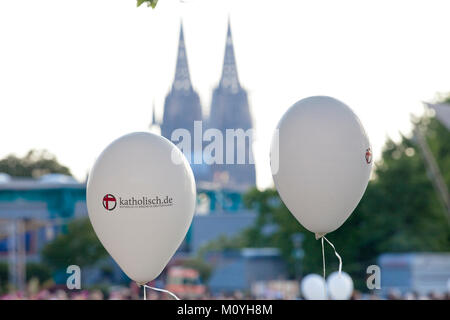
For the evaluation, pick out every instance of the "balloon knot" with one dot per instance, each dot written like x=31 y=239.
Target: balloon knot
x=319 y=235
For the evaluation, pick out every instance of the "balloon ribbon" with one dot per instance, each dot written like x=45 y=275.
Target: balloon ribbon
x=324 y=273
x=335 y=252
x=323 y=258
x=160 y=290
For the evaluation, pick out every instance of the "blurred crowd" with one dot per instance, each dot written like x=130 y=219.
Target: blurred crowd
x=133 y=292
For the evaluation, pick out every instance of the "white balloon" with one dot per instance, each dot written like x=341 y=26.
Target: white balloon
x=141 y=202
x=321 y=161
x=340 y=286
x=313 y=287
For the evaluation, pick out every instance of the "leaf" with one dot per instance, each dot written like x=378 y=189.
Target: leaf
x=150 y=3
x=153 y=3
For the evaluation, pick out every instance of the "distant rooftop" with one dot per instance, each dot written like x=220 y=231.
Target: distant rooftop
x=48 y=181
x=260 y=252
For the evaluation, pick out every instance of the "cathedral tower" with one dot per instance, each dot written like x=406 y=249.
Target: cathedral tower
x=230 y=110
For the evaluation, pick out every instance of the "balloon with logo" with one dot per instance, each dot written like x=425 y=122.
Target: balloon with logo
x=141 y=198
x=313 y=287
x=321 y=161
x=340 y=286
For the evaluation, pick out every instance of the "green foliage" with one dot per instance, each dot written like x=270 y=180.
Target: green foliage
x=405 y=195
x=150 y=3
x=35 y=164
x=436 y=134
x=447 y=99
x=79 y=246
x=198 y=264
x=36 y=271
x=223 y=242
x=3 y=276
x=39 y=271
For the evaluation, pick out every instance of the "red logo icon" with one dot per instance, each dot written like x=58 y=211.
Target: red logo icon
x=109 y=202
x=368 y=156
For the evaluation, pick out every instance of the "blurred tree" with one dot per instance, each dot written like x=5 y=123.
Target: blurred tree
x=223 y=242
x=438 y=138
x=79 y=246
x=35 y=164
x=198 y=264
x=3 y=276
x=39 y=271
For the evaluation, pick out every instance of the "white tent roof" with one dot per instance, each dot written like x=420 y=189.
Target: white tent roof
x=442 y=111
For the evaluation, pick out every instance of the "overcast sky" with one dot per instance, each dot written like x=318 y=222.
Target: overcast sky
x=75 y=75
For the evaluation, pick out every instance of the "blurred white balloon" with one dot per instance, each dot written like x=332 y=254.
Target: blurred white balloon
x=313 y=287
x=340 y=286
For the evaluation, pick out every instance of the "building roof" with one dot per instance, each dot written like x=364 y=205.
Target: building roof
x=442 y=111
x=44 y=183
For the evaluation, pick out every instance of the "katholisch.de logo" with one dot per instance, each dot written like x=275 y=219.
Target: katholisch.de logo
x=109 y=202
x=368 y=155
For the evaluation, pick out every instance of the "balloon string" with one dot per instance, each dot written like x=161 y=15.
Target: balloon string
x=335 y=252
x=161 y=290
x=324 y=272
x=323 y=259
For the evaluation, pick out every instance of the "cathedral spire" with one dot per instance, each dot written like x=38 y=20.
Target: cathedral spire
x=153 y=122
x=182 y=79
x=229 y=77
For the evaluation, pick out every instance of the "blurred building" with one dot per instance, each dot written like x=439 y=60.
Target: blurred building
x=206 y=228
x=33 y=212
x=182 y=108
x=414 y=272
x=229 y=110
x=238 y=270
